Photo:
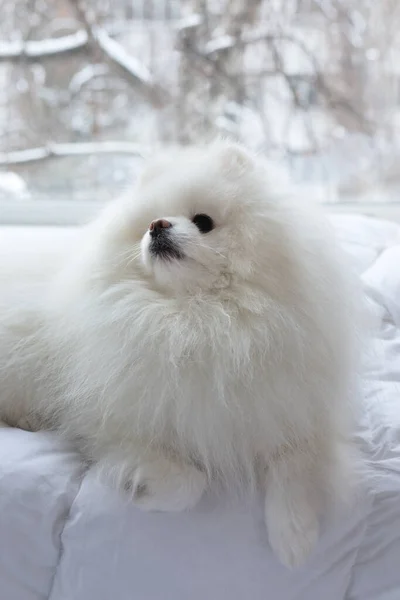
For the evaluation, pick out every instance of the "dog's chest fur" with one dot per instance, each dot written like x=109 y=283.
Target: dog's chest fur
x=189 y=378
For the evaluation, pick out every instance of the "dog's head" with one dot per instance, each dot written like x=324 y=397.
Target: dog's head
x=200 y=218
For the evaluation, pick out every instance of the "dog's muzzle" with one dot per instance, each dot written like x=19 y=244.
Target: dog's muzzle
x=162 y=244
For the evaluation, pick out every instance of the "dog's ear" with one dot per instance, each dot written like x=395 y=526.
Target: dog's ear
x=151 y=170
x=235 y=160
x=156 y=166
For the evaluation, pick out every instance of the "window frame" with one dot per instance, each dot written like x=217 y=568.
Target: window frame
x=66 y=213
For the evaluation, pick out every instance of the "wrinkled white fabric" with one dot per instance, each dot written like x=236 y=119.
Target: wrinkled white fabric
x=65 y=537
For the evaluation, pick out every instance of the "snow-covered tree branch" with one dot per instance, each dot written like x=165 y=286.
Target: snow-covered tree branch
x=41 y=49
x=289 y=76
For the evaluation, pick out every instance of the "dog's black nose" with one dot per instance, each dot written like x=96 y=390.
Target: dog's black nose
x=158 y=226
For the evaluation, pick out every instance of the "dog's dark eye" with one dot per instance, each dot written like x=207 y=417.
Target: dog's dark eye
x=204 y=223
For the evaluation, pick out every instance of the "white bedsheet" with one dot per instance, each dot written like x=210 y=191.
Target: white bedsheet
x=65 y=537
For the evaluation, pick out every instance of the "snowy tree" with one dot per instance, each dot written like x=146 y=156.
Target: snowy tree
x=290 y=77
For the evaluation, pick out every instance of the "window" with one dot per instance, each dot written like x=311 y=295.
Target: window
x=90 y=88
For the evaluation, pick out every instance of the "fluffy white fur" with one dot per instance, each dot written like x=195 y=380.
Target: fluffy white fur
x=236 y=357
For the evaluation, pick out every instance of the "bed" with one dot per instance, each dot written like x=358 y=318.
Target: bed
x=65 y=537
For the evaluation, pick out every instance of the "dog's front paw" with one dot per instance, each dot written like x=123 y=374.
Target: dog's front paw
x=164 y=485
x=292 y=537
x=292 y=524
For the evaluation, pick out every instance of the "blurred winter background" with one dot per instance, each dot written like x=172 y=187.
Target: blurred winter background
x=89 y=87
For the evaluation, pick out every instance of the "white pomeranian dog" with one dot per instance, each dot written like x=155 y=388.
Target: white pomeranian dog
x=204 y=330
